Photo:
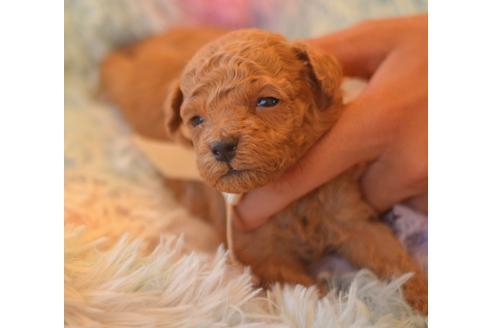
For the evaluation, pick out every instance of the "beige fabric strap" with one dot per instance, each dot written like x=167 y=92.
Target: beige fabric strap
x=231 y=201
x=170 y=158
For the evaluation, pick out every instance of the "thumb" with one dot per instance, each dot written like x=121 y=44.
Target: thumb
x=344 y=146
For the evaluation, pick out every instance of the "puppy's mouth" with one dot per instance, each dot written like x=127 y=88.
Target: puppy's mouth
x=234 y=172
x=236 y=176
x=237 y=180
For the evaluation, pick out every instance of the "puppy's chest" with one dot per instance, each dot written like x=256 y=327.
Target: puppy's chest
x=323 y=217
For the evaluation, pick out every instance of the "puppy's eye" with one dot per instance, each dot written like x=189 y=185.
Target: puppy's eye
x=196 y=120
x=267 y=102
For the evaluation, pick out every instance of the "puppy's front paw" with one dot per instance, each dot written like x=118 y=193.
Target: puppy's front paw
x=415 y=291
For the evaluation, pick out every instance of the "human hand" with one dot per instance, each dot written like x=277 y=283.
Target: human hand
x=386 y=126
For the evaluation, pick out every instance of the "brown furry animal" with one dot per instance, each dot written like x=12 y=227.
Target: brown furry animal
x=251 y=103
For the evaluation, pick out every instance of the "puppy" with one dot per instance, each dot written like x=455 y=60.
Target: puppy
x=250 y=103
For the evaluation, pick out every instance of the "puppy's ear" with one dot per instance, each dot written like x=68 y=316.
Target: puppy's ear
x=324 y=73
x=174 y=126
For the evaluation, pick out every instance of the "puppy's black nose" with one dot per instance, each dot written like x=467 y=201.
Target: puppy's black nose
x=224 y=150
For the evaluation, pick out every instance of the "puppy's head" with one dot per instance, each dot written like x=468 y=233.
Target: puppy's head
x=251 y=103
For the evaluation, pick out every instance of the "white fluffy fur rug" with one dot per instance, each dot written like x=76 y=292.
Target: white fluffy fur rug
x=123 y=287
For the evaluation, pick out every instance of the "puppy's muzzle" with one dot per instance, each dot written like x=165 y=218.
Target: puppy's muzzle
x=224 y=150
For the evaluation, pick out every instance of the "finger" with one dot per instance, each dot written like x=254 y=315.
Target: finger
x=419 y=203
x=401 y=172
x=360 y=49
x=363 y=47
x=348 y=143
x=384 y=186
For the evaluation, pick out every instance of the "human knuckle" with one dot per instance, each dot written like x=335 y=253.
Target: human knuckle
x=417 y=175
